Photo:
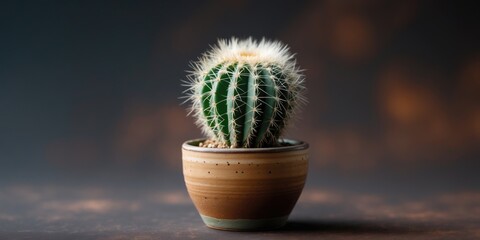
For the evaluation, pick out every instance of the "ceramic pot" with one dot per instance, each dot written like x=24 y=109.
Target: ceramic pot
x=244 y=189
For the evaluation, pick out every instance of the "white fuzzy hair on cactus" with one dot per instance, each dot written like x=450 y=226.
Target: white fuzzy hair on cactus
x=243 y=93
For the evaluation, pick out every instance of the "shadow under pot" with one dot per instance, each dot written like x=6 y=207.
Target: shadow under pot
x=245 y=189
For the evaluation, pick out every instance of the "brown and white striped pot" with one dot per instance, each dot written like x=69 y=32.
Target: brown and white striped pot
x=243 y=189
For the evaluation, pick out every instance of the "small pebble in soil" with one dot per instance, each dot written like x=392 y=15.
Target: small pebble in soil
x=210 y=143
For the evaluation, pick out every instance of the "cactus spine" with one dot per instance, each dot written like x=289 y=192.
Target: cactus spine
x=244 y=93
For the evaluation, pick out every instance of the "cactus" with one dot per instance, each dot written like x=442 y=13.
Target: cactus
x=244 y=93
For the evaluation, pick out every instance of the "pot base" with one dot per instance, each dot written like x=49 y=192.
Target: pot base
x=244 y=224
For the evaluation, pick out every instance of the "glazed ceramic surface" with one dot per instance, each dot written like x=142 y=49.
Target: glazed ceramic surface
x=245 y=189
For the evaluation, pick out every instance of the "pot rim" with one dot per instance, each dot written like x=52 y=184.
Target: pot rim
x=296 y=145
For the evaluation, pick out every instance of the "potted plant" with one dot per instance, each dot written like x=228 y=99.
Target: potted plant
x=243 y=176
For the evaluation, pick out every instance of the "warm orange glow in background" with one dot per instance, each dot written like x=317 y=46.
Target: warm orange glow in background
x=91 y=121
x=409 y=111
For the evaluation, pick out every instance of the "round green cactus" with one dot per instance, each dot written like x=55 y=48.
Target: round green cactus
x=244 y=93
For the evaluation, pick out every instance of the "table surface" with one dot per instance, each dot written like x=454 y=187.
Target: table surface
x=69 y=211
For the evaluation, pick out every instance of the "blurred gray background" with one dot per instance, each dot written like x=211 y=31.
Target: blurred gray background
x=89 y=90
